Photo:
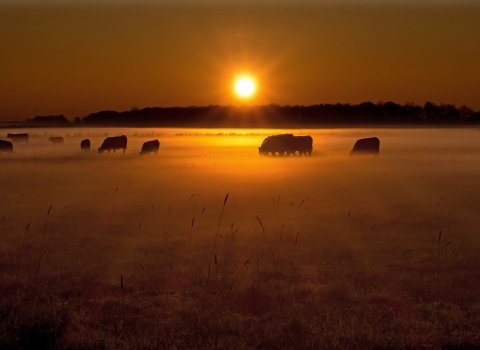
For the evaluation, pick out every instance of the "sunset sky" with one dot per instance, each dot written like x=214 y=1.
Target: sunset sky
x=79 y=57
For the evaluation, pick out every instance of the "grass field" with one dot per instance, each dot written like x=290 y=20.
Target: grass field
x=321 y=252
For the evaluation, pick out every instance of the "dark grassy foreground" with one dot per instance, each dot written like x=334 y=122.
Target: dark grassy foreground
x=355 y=292
x=313 y=253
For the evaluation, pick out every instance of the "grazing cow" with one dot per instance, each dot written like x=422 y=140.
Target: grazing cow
x=150 y=146
x=18 y=137
x=56 y=140
x=369 y=145
x=114 y=143
x=301 y=144
x=85 y=145
x=6 y=146
x=275 y=144
x=286 y=143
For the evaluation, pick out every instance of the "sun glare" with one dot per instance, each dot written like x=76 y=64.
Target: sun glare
x=245 y=87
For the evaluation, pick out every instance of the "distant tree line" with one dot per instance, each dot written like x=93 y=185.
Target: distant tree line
x=367 y=113
x=272 y=116
x=54 y=120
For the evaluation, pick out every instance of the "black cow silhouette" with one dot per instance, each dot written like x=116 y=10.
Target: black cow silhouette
x=56 y=140
x=85 y=145
x=18 y=137
x=369 y=145
x=114 y=143
x=6 y=146
x=301 y=144
x=286 y=143
x=150 y=146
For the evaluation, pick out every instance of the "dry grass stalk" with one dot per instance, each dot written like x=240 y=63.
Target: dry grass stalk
x=42 y=253
x=263 y=230
x=215 y=240
x=293 y=264
x=191 y=229
x=25 y=235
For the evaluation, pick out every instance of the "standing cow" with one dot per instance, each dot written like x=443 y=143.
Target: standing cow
x=369 y=145
x=300 y=144
x=150 y=146
x=275 y=144
x=286 y=143
x=56 y=140
x=6 y=146
x=114 y=143
x=18 y=137
x=85 y=145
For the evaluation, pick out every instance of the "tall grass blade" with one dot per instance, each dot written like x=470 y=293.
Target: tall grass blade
x=25 y=235
x=259 y=221
x=245 y=263
x=215 y=240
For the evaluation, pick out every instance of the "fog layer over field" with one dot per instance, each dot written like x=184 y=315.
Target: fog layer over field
x=358 y=237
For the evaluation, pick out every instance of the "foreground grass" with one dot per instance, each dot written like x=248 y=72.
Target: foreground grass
x=294 y=292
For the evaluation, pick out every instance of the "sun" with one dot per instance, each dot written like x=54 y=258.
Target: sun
x=245 y=87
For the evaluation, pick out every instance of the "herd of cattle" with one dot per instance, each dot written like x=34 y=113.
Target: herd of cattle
x=281 y=144
x=109 y=144
x=289 y=144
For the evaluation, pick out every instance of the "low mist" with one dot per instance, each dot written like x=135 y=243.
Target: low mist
x=402 y=217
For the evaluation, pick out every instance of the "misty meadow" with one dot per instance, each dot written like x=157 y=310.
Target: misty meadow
x=208 y=245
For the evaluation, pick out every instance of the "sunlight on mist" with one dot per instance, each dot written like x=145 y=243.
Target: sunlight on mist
x=153 y=218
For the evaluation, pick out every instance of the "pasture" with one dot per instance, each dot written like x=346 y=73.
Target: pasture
x=321 y=252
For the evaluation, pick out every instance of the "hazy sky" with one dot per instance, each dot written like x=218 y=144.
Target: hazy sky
x=76 y=57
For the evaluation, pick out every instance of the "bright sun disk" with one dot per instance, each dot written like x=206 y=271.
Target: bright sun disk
x=245 y=87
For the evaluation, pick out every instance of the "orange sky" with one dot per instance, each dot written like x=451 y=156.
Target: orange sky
x=75 y=60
